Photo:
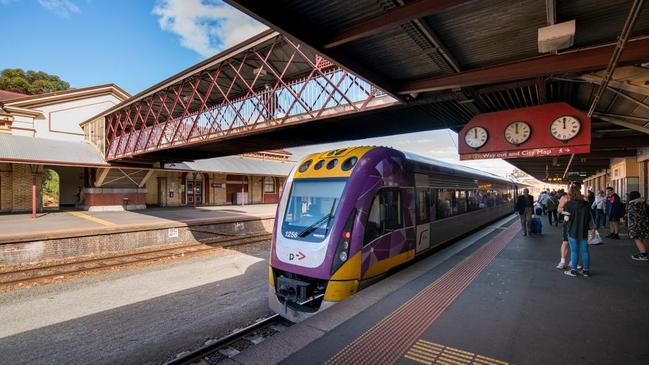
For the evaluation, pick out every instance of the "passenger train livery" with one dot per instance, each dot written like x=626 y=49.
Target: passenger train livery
x=348 y=216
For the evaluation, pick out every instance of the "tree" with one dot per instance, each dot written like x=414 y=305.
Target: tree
x=30 y=82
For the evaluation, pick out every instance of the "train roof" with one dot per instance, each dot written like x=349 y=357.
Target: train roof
x=463 y=170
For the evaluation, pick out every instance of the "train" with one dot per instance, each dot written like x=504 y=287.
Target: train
x=348 y=216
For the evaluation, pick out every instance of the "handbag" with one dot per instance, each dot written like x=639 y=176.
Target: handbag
x=594 y=238
x=593 y=235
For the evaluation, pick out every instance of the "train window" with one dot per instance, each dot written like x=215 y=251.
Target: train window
x=472 y=199
x=305 y=165
x=385 y=214
x=460 y=198
x=318 y=165
x=445 y=203
x=422 y=206
x=432 y=199
x=349 y=163
x=331 y=164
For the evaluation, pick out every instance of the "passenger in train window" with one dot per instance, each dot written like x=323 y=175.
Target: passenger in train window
x=580 y=221
x=524 y=206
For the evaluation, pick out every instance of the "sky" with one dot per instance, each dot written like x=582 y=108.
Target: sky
x=138 y=43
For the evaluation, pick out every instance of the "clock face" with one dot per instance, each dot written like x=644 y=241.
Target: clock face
x=518 y=132
x=565 y=128
x=476 y=137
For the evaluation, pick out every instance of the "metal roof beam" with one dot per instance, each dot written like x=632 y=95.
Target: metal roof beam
x=580 y=60
x=391 y=18
x=622 y=123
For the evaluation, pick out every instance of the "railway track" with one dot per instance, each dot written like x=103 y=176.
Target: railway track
x=223 y=348
x=44 y=273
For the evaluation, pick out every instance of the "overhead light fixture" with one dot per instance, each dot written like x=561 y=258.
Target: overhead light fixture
x=557 y=36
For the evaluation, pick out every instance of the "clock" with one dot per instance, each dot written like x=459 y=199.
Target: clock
x=476 y=137
x=518 y=132
x=565 y=128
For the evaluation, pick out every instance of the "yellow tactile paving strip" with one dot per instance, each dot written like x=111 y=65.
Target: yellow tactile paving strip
x=429 y=353
x=91 y=218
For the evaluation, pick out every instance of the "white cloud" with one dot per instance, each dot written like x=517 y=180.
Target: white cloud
x=60 y=7
x=205 y=26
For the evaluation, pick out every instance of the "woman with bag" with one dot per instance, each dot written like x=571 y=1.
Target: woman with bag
x=579 y=219
x=598 y=206
x=638 y=224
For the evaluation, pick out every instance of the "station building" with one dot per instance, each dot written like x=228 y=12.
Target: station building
x=52 y=134
x=624 y=175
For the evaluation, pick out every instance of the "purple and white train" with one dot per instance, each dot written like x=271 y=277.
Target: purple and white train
x=348 y=216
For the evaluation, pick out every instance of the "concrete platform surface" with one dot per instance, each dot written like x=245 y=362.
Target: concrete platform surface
x=515 y=308
x=138 y=316
x=67 y=223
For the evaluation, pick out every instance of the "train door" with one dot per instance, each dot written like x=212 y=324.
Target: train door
x=423 y=219
x=422 y=208
x=383 y=230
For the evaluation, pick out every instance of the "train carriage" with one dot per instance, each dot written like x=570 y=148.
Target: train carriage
x=348 y=216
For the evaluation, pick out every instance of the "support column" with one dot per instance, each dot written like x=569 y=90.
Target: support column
x=34 y=170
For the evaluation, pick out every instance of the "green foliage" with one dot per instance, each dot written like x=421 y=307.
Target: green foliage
x=50 y=188
x=30 y=82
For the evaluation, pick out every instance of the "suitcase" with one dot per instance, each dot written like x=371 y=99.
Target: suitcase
x=536 y=227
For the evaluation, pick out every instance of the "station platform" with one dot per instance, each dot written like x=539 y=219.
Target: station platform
x=65 y=235
x=494 y=297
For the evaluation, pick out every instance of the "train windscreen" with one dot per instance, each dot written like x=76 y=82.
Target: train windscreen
x=311 y=208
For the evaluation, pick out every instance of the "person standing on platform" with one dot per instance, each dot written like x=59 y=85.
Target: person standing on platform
x=543 y=199
x=613 y=212
x=579 y=221
x=524 y=205
x=598 y=206
x=638 y=224
x=563 y=199
x=552 y=204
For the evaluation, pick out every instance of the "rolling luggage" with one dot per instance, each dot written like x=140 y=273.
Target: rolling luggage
x=536 y=227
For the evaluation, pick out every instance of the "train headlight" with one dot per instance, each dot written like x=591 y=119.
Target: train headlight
x=344 y=242
x=343 y=256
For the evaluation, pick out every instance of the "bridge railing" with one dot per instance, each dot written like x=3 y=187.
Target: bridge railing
x=326 y=90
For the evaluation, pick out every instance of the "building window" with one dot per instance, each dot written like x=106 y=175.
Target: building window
x=269 y=184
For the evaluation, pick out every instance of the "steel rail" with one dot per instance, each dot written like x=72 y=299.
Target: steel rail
x=233 y=242
x=223 y=341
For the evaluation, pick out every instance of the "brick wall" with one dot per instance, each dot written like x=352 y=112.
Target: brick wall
x=22 y=188
x=101 y=199
x=6 y=187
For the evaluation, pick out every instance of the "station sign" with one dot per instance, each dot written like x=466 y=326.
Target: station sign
x=546 y=130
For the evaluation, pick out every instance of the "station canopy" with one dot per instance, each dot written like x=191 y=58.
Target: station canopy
x=448 y=60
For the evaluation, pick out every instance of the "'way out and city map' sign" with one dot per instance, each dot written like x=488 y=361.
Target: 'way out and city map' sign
x=546 y=130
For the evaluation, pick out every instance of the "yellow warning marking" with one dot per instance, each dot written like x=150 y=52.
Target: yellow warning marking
x=459 y=355
x=453 y=349
x=454 y=360
x=430 y=344
x=418 y=360
x=427 y=352
x=485 y=358
x=418 y=346
x=91 y=218
x=424 y=353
